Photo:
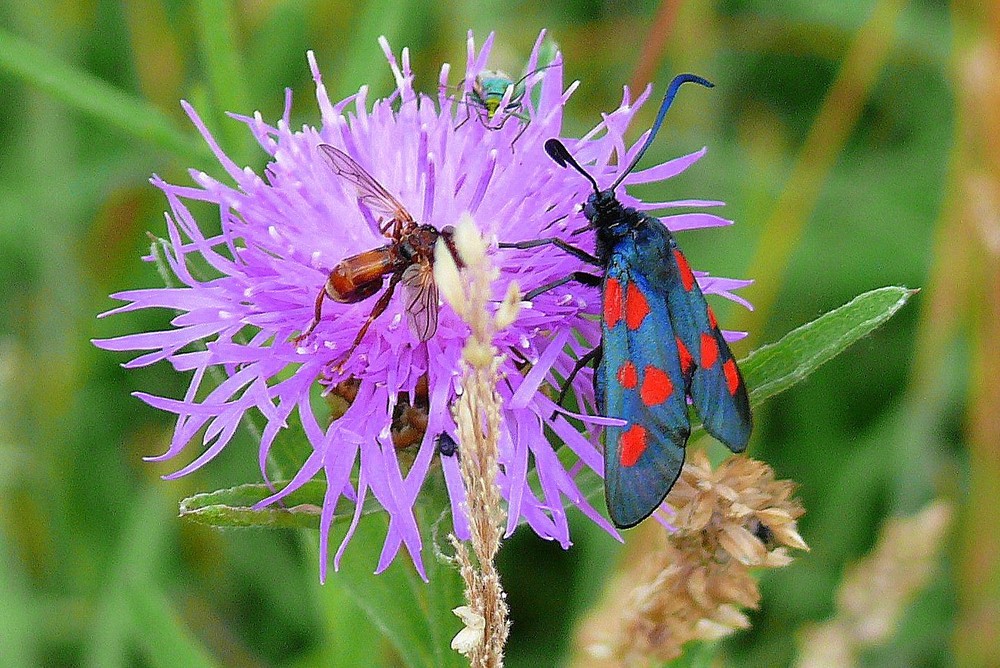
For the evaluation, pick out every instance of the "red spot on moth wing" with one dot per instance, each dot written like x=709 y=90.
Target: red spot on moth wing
x=628 y=376
x=656 y=386
x=711 y=318
x=633 y=444
x=636 y=307
x=612 y=302
x=685 y=356
x=709 y=351
x=732 y=376
x=687 y=277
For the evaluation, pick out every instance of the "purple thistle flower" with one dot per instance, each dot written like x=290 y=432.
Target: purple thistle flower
x=282 y=233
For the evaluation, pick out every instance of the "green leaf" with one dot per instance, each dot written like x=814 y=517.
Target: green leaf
x=233 y=508
x=774 y=368
x=362 y=61
x=394 y=617
x=348 y=637
x=89 y=94
x=222 y=59
x=697 y=654
x=226 y=75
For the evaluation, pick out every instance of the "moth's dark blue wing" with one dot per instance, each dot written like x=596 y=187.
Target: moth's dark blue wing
x=714 y=381
x=640 y=380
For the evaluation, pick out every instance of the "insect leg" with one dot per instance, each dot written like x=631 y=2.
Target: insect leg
x=377 y=310
x=317 y=314
x=591 y=356
x=520 y=81
x=524 y=126
x=502 y=122
x=582 y=277
x=468 y=112
x=558 y=243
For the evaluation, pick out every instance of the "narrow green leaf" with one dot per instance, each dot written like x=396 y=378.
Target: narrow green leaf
x=232 y=515
x=233 y=508
x=362 y=62
x=89 y=94
x=224 y=67
x=222 y=59
x=697 y=654
x=775 y=367
x=349 y=638
x=412 y=615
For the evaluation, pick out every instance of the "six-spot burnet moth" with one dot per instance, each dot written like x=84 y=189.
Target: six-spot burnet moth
x=660 y=347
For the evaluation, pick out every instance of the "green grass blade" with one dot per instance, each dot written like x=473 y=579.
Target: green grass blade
x=162 y=635
x=414 y=616
x=349 y=638
x=226 y=74
x=137 y=559
x=223 y=63
x=362 y=62
x=97 y=98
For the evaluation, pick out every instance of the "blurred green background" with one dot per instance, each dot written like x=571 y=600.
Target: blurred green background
x=856 y=142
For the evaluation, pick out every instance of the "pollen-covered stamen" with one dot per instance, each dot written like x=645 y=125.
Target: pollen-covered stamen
x=429 y=189
x=444 y=100
x=476 y=63
x=504 y=103
x=403 y=77
x=551 y=115
x=423 y=149
x=633 y=444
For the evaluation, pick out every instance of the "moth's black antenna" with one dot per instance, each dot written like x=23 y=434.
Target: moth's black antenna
x=667 y=101
x=562 y=157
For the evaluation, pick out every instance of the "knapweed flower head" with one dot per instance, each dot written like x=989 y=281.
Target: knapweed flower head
x=283 y=231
